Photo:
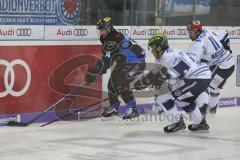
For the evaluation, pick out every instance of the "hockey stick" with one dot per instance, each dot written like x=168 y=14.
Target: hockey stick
x=76 y=111
x=25 y=124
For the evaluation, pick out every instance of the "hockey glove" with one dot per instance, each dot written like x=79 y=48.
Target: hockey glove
x=90 y=77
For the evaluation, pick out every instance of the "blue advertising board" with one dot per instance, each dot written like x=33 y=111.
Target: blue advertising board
x=40 y=12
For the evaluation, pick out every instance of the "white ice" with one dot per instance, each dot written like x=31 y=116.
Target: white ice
x=120 y=140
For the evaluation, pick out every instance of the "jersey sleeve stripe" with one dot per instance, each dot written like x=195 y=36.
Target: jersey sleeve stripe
x=216 y=42
x=226 y=37
x=173 y=73
x=224 y=59
x=180 y=68
x=213 y=43
x=202 y=68
x=200 y=72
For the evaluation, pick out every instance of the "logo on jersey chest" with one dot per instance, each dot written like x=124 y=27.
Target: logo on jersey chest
x=177 y=93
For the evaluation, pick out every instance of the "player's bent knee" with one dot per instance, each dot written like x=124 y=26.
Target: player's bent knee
x=163 y=98
x=168 y=105
x=202 y=99
x=189 y=108
x=165 y=101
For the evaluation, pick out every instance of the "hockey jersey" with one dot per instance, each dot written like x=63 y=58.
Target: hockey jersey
x=223 y=37
x=125 y=47
x=180 y=65
x=208 y=48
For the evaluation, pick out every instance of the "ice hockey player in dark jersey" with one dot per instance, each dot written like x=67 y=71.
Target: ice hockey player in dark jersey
x=126 y=59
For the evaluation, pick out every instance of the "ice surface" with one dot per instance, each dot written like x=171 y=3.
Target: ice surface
x=120 y=140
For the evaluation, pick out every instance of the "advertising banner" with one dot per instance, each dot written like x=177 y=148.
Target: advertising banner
x=145 y=32
x=21 y=32
x=40 y=12
x=228 y=102
x=34 y=77
x=233 y=32
x=71 y=33
x=126 y=30
x=90 y=33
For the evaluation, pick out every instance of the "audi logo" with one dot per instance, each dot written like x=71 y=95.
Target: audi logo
x=123 y=31
x=181 y=31
x=24 y=32
x=80 y=32
x=153 y=31
x=9 y=83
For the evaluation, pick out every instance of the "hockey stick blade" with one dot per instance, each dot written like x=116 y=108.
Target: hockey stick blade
x=17 y=124
x=70 y=114
x=25 y=124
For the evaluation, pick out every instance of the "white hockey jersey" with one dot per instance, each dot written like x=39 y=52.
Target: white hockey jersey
x=222 y=36
x=207 y=47
x=180 y=65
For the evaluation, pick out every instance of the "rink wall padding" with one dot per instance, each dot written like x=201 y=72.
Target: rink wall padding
x=86 y=33
x=34 y=77
x=40 y=64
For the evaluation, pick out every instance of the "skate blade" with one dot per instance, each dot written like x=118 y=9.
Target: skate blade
x=200 y=131
x=178 y=131
x=112 y=118
x=182 y=131
x=132 y=121
x=17 y=124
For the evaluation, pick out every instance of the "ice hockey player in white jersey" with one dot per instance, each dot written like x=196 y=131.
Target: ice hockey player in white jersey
x=212 y=47
x=186 y=78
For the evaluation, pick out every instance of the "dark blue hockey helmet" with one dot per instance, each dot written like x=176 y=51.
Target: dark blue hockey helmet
x=104 y=23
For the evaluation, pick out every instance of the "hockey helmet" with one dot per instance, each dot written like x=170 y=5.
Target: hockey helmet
x=104 y=23
x=158 y=40
x=195 y=26
x=158 y=43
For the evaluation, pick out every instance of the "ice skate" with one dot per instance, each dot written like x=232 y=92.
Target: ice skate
x=180 y=125
x=109 y=112
x=203 y=126
x=131 y=113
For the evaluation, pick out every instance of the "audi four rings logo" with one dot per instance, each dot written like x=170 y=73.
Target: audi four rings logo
x=181 y=32
x=9 y=83
x=153 y=31
x=123 y=31
x=24 y=32
x=80 y=32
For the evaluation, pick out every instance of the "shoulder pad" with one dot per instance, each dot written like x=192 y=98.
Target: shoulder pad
x=201 y=37
x=125 y=43
x=119 y=37
x=168 y=56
